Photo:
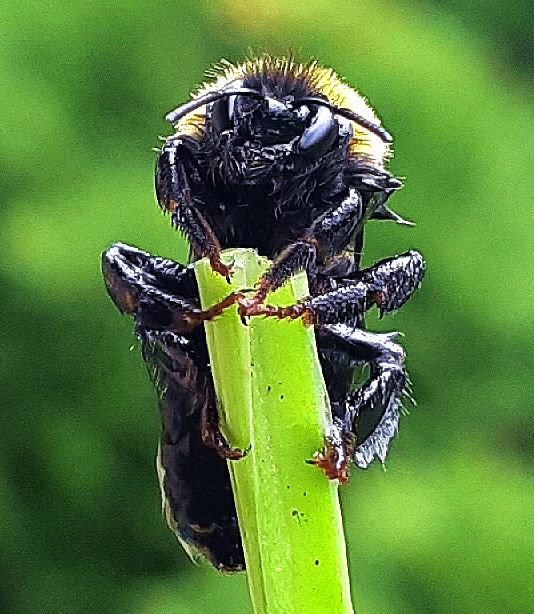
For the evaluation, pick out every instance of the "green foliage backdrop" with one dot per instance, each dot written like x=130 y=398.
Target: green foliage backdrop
x=449 y=526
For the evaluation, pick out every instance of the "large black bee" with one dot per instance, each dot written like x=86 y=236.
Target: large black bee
x=287 y=159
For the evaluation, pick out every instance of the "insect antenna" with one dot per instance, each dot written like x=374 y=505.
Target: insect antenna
x=208 y=98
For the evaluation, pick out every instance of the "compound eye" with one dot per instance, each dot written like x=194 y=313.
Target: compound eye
x=321 y=134
x=220 y=115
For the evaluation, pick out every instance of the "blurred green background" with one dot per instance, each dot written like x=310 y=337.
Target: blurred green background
x=449 y=527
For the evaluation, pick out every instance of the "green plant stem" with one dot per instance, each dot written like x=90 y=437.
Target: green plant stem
x=272 y=401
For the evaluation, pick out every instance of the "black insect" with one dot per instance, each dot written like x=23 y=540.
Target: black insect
x=287 y=159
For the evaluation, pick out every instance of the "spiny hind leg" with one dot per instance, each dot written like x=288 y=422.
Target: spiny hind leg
x=365 y=422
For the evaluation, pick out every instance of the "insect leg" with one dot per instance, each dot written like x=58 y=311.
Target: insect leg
x=366 y=420
x=388 y=284
x=176 y=169
x=158 y=293
x=395 y=278
x=323 y=239
x=211 y=432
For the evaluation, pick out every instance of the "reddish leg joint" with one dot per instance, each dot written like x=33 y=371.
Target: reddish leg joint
x=334 y=458
x=212 y=437
x=249 y=307
x=217 y=309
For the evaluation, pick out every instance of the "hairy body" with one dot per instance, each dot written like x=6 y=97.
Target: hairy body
x=287 y=159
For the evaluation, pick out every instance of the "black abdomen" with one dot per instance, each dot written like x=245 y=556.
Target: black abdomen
x=195 y=482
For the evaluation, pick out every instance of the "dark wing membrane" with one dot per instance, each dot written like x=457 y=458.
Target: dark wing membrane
x=195 y=484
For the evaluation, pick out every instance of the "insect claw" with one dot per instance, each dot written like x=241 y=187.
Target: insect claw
x=217 y=266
